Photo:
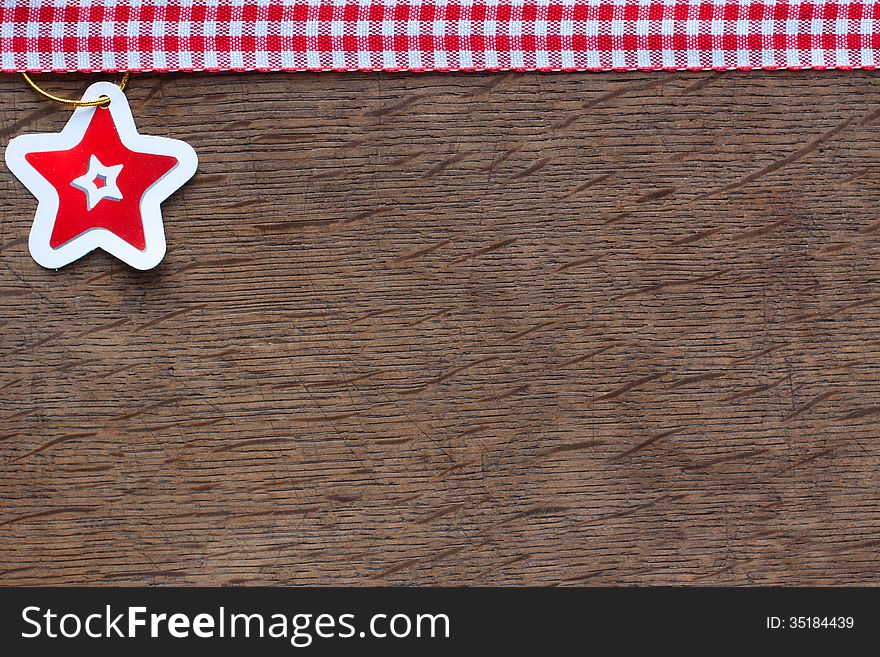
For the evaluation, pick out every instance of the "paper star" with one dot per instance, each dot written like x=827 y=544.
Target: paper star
x=113 y=207
x=99 y=182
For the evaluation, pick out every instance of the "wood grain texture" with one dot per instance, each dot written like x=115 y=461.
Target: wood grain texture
x=461 y=329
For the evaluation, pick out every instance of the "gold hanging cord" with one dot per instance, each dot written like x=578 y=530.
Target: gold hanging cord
x=70 y=102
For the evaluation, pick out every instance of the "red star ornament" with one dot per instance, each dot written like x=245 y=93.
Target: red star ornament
x=100 y=184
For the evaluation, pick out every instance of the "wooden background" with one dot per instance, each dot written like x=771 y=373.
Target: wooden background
x=461 y=329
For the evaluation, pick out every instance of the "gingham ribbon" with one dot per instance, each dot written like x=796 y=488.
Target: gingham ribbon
x=445 y=35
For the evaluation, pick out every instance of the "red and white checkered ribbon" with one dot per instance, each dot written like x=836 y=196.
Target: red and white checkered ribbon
x=445 y=35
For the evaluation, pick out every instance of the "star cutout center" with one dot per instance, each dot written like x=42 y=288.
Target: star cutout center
x=99 y=182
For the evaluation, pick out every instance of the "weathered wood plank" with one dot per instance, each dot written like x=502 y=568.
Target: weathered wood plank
x=442 y=329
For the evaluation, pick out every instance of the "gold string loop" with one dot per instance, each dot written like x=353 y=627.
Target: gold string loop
x=70 y=102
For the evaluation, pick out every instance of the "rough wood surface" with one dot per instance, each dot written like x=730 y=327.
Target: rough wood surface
x=461 y=329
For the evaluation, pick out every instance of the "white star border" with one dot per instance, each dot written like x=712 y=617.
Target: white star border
x=100 y=238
